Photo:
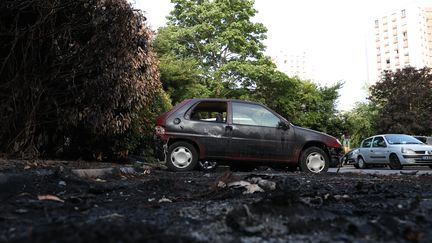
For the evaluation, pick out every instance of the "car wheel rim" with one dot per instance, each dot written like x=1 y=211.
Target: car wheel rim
x=315 y=162
x=361 y=163
x=207 y=165
x=181 y=157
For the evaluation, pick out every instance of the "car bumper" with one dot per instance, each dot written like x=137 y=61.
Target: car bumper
x=335 y=155
x=416 y=160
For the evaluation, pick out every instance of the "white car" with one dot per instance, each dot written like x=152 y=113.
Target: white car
x=395 y=150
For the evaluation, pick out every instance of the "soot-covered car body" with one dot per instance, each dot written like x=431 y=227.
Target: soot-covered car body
x=235 y=131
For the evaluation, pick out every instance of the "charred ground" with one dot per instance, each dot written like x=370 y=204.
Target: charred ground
x=48 y=202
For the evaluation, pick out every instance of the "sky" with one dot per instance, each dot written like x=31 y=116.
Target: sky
x=332 y=33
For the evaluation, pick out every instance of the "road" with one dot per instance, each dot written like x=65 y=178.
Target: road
x=424 y=170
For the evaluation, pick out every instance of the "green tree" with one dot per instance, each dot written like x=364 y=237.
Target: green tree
x=217 y=38
x=316 y=107
x=404 y=100
x=361 y=122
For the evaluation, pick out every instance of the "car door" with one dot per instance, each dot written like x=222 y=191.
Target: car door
x=378 y=150
x=258 y=134
x=207 y=124
x=364 y=151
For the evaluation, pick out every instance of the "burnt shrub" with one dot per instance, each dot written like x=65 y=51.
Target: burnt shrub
x=77 y=77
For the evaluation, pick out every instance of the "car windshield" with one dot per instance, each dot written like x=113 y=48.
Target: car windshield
x=402 y=139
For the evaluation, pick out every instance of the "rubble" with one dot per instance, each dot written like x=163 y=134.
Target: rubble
x=261 y=206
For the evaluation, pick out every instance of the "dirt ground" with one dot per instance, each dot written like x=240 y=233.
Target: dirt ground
x=49 y=202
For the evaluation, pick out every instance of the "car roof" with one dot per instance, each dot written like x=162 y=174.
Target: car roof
x=222 y=100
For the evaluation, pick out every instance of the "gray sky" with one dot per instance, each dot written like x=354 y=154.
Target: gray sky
x=332 y=33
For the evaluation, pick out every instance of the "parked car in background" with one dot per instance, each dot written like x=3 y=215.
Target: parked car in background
x=395 y=150
x=350 y=158
x=239 y=132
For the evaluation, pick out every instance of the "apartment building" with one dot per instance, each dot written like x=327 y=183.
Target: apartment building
x=401 y=38
x=295 y=63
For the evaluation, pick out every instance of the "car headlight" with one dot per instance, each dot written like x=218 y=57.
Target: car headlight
x=407 y=151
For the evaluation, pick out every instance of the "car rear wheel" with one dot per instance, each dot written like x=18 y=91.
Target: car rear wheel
x=395 y=163
x=314 y=160
x=182 y=156
x=361 y=164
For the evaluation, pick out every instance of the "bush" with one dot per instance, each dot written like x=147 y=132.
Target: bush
x=76 y=75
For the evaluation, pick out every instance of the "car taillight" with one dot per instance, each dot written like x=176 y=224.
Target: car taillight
x=160 y=130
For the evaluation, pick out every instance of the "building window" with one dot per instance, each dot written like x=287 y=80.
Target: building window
x=405 y=34
x=376 y=23
x=397 y=51
x=403 y=13
x=388 y=61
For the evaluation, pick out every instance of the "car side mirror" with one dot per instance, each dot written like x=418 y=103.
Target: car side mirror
x=284 y=126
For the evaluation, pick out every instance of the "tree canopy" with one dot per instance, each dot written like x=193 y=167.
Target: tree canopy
x=404 y=100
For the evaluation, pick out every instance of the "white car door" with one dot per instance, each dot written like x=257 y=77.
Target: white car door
x=365 y=150
x=378 y=151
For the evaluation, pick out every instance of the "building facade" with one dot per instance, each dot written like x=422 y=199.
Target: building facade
x=401 y=38
x=295 y=63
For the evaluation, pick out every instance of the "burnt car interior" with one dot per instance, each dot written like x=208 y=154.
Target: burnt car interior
x=209 y=112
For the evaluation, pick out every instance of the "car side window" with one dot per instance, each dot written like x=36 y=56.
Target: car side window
x=251 y=114
x=209 y=111
x=378 y=142
x=367 y=143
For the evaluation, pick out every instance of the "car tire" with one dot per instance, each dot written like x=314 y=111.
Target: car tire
x=207 y=165
x=361 y=164
x=182 y=156
x=314 y=160
x=394 y=162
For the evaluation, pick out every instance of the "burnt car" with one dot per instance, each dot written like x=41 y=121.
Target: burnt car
x=239 y=132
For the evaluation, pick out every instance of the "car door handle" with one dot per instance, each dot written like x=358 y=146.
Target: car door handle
x=228 y=128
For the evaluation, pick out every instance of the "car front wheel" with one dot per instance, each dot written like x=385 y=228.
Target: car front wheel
x=314 y=160
x=394 y=162
x=182 y=156
x=361 y=164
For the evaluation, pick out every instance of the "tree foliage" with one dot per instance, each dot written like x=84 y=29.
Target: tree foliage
x=404 y=100
x=361 y=122
x=215 y=39
x=75 y=73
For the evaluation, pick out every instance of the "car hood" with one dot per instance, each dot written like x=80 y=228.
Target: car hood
x=313 y=135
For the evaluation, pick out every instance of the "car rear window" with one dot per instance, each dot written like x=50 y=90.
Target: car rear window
x=209 y=111
x=367 y=143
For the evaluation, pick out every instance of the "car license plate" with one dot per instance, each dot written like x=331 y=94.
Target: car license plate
x=427 y=157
